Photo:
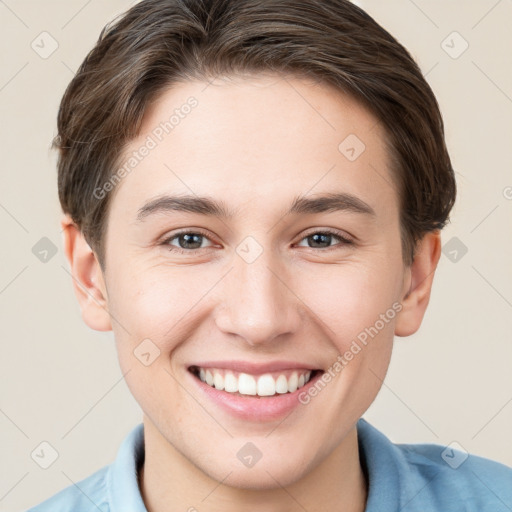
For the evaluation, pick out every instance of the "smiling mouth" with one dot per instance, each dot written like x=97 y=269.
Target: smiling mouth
x=267 y=385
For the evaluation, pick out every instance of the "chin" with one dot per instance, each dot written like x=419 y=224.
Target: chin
x=264 y=479
x=275 y=472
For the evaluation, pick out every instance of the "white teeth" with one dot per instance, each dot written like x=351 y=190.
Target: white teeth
x=218 y=380
x=246 y=384
x=293 y=382
x=266 y=385
x=281 y=384
x=230 y=383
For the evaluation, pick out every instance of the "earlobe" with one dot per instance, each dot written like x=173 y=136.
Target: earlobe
x=418 y=284
x=87 y=277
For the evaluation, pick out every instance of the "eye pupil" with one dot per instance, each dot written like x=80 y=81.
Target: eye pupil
x=187 y=237
x=317 y=236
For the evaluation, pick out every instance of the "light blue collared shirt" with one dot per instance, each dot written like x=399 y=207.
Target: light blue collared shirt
x=404 y=477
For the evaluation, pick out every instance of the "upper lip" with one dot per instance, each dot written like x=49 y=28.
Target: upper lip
x=255 y=368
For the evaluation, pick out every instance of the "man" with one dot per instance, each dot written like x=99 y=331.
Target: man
x=253 y=195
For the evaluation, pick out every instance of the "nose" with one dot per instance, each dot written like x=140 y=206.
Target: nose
x=258 y=302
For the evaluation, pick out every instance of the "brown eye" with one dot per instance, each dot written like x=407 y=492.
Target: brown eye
x=188 y=241
x=323 y=239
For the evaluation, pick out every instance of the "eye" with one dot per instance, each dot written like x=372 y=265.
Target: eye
x=320 y=238
x=187 y=240
x=192 y=240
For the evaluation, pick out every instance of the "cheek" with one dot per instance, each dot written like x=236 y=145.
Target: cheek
x=154 y=317
x=353 y=299
x=155 y=306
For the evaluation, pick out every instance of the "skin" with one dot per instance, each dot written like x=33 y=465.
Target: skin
x=268 y=138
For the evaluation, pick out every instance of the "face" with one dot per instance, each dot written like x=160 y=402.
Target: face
x=273 y=282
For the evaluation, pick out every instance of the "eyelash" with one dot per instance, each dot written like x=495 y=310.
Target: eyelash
x=343 y=239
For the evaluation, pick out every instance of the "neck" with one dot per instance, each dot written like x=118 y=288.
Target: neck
x=169 y=481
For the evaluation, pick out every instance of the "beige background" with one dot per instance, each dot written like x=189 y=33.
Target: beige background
x=61 y=382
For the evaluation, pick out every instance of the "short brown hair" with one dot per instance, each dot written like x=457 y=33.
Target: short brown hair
x=160 y=42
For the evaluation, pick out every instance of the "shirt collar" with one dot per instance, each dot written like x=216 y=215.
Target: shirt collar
x=123 y=475
x=382 y=464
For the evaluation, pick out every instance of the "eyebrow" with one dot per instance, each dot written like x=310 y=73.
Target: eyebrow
x=208 y=206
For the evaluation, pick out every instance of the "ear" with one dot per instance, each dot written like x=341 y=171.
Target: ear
x=418 y=284
x=87 y=276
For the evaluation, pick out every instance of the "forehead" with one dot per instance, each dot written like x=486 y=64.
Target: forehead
x=248 y=139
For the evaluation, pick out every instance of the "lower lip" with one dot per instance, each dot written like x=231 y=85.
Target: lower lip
x=252 y=408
